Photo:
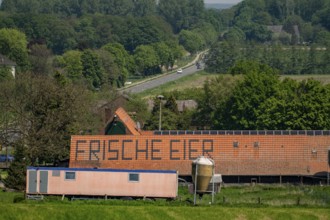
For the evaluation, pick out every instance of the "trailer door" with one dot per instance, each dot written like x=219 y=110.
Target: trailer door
x=43 y=188
x=32 y=181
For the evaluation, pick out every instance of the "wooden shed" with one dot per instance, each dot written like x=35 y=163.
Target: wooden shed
x=101 y=182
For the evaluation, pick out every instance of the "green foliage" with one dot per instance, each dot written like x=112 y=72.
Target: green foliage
x=140 y=108
x=191 y=41
x=252 y=16
x=222 y=56
x=16 y=178
x=92 y=69
x=262 y=101
x=216 y=94
x=165 y=54
x=46 y=112
x=146 y=60
x=235 y=35
x=246 y=67
x=171 y=104
x=181 y=14
x=13 y=44
x=5 y=73
x=72 y=64
x=123 y=61
x=169 y=115
x=288 y=60
x=298 y=106
x=40 y=59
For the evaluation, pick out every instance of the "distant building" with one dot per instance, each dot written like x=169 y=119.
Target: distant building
x=107 y=108
x=279 y=32
x=182 y=104
x=275 y=28
x=186 y=105
x=5 y=61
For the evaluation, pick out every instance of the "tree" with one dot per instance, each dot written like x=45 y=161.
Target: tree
x=5 y=73
x=73 y=65
x=16 y=178
x=137 y=105
x=144 y=7
x=258 y=33
x=45 y=113
x=92 y=69
x=191 y=41
x=235 y=35
x=13 y=44
x=181 y=14
x=222 y=56
x=325 y=59
x=169 y=119
x=312 y=63
x=39 y=58
x=207 y=32
x=171 y=104
x=301 y=105
x=165 y=54
x=323 y=17
x=210 y=108
x=86 y=36
x=146 y=60
x=242 y=108
x=62 y=37
x=122 y=59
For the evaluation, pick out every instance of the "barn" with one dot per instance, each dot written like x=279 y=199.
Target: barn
x=240 y=155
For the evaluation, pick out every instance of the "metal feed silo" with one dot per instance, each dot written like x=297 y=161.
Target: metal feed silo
x=202 y=172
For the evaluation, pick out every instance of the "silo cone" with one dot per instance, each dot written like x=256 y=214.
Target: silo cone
x=204 y=173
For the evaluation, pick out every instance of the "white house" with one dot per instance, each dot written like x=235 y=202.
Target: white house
x=4 y=61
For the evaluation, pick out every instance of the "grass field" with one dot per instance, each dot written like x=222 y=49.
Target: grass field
x=197 y=80
x=192 y=81
x=99 y=211
x=234 y=202
x=324 y=79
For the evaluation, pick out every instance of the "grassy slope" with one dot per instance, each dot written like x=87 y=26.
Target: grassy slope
x=92 y=211
x=192 y=81
x=277 y=202
x=197 y=80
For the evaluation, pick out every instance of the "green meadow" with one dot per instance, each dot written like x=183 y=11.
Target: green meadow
x=233 y=202
x=196 y=81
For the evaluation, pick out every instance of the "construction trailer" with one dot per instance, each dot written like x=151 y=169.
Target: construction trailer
x=101 y=182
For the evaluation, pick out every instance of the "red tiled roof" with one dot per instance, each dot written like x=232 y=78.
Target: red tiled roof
x=127 y=120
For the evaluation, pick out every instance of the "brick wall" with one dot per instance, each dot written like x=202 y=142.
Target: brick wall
x=233 y=154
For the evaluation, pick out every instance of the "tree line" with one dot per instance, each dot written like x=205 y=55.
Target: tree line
x=288 y=59
x=249 y=21
x=251 y=96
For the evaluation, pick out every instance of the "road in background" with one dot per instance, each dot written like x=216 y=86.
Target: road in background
x=165 y=78
x=159 y=81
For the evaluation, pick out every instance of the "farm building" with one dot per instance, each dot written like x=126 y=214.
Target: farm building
x=101 y=182
x=259 y=156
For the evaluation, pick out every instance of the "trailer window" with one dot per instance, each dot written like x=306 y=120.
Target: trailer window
x=133 y=177
x=56 y=173
x=70 y=175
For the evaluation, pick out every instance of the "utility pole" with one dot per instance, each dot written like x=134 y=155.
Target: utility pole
x=160 y=97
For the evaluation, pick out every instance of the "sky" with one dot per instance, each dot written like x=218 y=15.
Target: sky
x=223 y=1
